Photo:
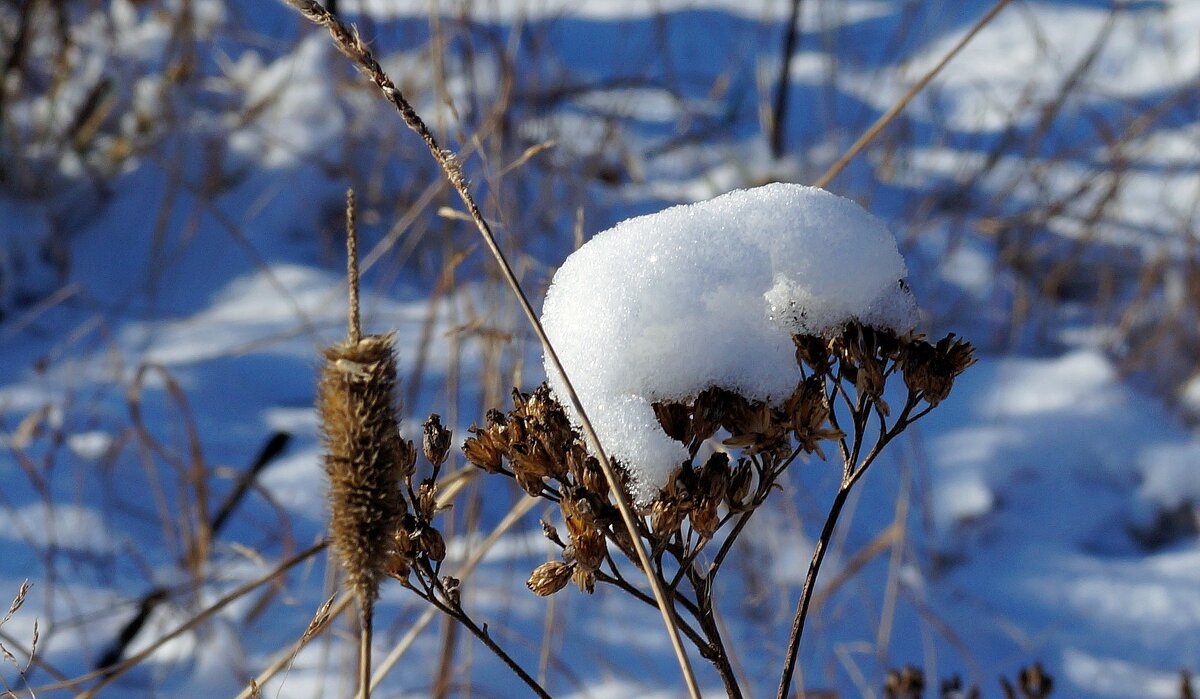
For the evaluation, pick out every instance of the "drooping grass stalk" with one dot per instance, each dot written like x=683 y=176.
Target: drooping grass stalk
x=110 y=674
x=887 y=117
x=350 y=44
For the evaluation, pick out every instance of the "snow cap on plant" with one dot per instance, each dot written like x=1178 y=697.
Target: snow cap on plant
x=662 y=307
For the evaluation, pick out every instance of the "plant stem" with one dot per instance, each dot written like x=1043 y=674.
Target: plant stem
x=793 y=647
x=351 y=45
x=715 y=651
x=365 y=631
x=452 y=608
x=779 y=116
x=887 y=117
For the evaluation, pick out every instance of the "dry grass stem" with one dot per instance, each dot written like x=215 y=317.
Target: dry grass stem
x=350 y=44
x=109 y=675
x=887 y=117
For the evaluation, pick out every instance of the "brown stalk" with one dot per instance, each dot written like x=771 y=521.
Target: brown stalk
x=108 y=675
x=350 y=44
x=853 y=470
x=781 y=84
x=887 y=117
x=356 y=401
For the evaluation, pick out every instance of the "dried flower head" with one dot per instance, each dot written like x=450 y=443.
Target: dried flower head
x=932 y=369
x=550 y=577
x=363 y=456
x=436 y=441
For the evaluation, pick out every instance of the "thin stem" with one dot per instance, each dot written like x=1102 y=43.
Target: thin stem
x=793 y=647
x=350 y=44
x=781 y=84
x=366 y=615
x=891 y=114
x=110 y=674
x=448 y=603
x=353 y=317
x=715 y=652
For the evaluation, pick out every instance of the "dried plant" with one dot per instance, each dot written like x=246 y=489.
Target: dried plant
x=839 y=403
x=909 y=683
x=364 y=456
x=381 y=515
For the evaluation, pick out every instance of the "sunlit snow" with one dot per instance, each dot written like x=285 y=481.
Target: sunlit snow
x=710 y=294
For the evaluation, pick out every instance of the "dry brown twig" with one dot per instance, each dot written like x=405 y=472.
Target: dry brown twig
x=351 y=45
x=887 y=117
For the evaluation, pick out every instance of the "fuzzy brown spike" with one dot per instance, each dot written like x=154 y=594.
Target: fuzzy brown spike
x=362 y=456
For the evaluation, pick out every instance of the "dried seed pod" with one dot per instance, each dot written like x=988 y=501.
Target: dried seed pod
x=399 y=568
x=426 y=503
x=931 y=369
x=590 y=550
x=813 y=351
x=714 y=477
x=585 y=579
x=591 y=477
x=550 y=577
x=675 y=419
x=435 y=440
x=665 y=517
x=355 y=398
x=531 y=483
x=407 y=459
x=705 y=519
x=739 y=486
x=483 y=450
x=430 y=542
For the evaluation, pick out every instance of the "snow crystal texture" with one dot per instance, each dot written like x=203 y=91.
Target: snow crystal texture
x=664 y=306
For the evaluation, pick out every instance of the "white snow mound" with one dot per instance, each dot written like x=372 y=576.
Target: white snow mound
x=666 y=305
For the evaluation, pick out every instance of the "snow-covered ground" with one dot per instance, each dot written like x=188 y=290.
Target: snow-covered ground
x=170 y=261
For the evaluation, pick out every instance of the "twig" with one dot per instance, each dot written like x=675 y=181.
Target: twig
x=518 y=511
x=109 y=675
x=353 y=317
x=351 y=45
x=810 y=579
x=450 y=605
x=891 y=114
x=781 y=84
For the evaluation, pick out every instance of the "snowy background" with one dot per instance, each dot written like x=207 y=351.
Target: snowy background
x=172 y=177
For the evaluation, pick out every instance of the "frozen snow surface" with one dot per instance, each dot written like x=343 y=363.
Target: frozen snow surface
x=665 y=305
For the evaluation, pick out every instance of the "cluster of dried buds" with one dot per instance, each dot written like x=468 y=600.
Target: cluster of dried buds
x=536 y=445
x=415 y=541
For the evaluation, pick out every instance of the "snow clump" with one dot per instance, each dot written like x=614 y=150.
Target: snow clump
x=663 y=306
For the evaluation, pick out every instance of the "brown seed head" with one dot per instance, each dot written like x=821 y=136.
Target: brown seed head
x=430 y=542
x=739 y=486
x=550 y=577
x=483 y=450
x=675 y=419
x=436 y=440
x=355 y=398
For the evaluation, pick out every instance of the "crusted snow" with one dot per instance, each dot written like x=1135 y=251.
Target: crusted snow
x=709 y=294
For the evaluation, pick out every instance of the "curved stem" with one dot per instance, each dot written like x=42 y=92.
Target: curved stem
x=793 y=647
x=351 y=45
